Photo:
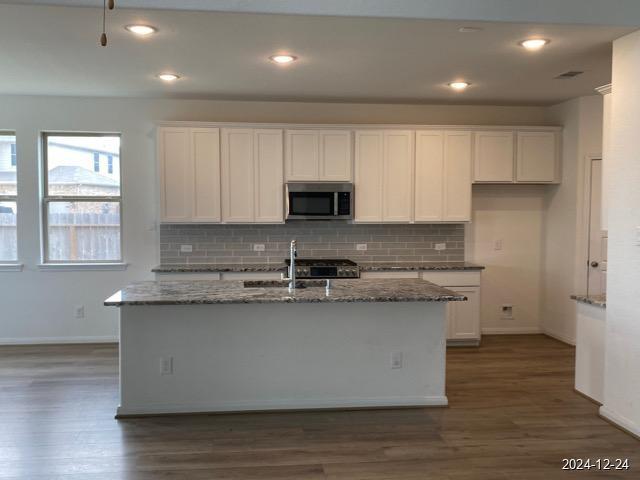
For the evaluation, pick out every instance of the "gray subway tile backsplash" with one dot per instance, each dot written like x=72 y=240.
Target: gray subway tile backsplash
x=321 y=239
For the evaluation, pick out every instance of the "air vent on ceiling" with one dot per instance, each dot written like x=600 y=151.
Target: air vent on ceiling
x=569 y=74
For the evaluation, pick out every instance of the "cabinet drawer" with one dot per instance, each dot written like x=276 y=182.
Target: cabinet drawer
x=453 y=279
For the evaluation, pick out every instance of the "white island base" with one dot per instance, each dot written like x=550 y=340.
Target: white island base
x=252 y=357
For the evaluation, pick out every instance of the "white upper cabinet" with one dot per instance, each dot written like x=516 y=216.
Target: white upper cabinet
x=443 y=176
x=189 y=162
x=397 y=179
x=457 y=177
x=494 y=152
x=269 y=183
x=536 y=158
x=318 y=155
x=252 y=179
x=384 y=176
x=369 y=172
x=429 y=185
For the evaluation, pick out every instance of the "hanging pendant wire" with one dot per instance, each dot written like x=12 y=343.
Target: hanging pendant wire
x=103 y=37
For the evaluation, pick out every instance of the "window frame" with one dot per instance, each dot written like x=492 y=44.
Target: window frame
x=12 y=198
x=47 y=199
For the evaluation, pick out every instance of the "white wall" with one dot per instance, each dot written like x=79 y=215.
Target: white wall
x=39 y=305
x=622 y=352
x=564 y=243
x=514 y=215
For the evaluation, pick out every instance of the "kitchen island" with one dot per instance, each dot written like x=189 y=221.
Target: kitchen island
x=211 y=346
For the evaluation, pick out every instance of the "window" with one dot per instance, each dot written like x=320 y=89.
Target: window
x=110 y=164
x=14 y=156
x=81 y=207
x=8 y=198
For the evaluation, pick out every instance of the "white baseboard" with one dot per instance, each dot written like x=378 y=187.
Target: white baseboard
x=622 y=422
x=54 y=340
x=511 y=330
x=284 y=404
x=559 y=336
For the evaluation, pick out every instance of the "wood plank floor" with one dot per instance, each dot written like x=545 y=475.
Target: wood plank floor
x=513 y=415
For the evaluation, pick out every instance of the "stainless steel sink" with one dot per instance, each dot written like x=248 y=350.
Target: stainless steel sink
x=283 y=283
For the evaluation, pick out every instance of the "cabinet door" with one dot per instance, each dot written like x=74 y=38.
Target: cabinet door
x=368 y=178
x=536 y=157
x=237 y=175
x=269 y=205
x=493 y=157
x=429 y=192
x=463 y=318
x=335 y=155
x=457 y=177
x=205 y=154
x=397 y=201
x=175 y=174
x=302 y=155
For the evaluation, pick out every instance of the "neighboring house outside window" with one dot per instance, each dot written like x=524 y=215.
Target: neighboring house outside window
x=82 y=221
x=110 y=164
x=8 y=198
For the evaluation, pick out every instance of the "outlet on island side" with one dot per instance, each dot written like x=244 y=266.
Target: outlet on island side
x=166 y=366
x=397 y=360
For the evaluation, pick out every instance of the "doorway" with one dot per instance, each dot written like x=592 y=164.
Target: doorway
x=597 y=257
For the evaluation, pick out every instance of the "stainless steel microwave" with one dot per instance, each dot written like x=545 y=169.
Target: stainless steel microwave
x=319 y=201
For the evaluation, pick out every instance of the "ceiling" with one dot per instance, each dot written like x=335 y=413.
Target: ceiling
x=46 y=50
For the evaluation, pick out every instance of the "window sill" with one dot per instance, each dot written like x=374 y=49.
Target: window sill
x=75 y=267
x=11 y=267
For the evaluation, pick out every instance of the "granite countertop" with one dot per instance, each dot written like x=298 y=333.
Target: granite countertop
x=183 y=292
x=281 y=267
x=595 y=300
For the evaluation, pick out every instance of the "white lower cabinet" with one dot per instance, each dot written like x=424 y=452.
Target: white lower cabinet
x=463 y=318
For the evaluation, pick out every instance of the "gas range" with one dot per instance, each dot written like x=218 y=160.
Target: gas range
x=325 y=268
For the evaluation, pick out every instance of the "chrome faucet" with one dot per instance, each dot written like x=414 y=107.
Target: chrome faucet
x=293 y=253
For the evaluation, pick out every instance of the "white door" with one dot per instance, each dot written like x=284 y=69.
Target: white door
x=429 y=194
x=237 y=175
x=368 y=178
x=335 y=155
x=457 y=177
x=493 y=157
x=302 y=155
x=269 y=191
x=205 y=154
x=176 y=186
x=597 y=277
x=536 y=158
x=397 y=178
x=463 y=318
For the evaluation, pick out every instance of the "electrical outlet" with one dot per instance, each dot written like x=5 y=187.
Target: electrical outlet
x=186 y=248
x=79 y=311
x=440 y=246
x=498 y=244
x=507 y=312
x=397 y=360
x=166 y=366
x=258 y=247
x=361 y=246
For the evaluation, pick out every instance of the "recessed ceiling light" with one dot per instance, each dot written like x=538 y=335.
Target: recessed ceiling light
x=141 y=30
x=168 y=77
x=283 y=59
x=534 y=43
x=459 y=86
